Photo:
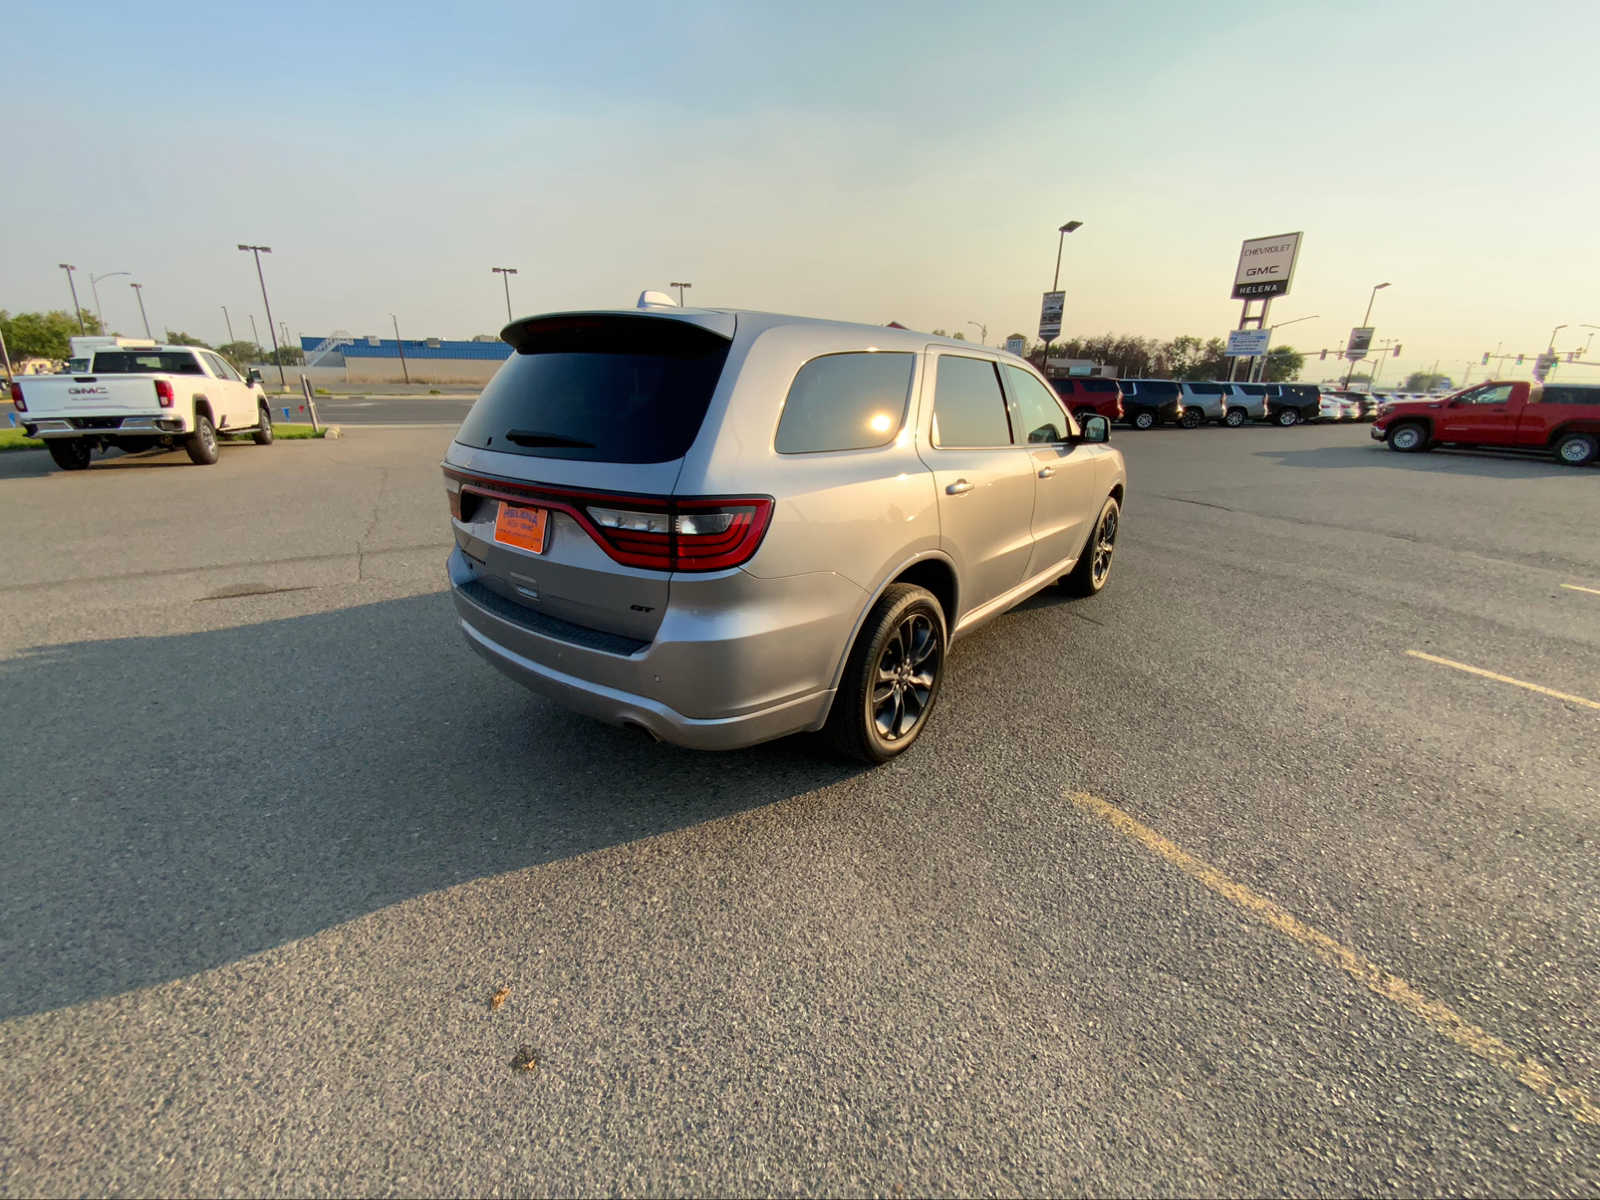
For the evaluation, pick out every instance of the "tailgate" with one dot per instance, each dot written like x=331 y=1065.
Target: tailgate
x=90 y=395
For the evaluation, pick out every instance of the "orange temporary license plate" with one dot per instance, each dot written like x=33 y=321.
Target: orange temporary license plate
x=521 y=527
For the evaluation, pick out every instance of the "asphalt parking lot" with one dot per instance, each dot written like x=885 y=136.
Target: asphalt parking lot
x=1212 y=884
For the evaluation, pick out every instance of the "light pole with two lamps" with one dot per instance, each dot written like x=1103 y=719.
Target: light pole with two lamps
x=505 y=274
x=1055 y=282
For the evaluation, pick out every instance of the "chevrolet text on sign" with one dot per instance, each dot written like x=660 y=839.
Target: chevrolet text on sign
x=1266 y=266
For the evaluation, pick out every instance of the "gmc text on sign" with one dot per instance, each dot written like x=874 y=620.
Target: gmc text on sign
x=1266 y=266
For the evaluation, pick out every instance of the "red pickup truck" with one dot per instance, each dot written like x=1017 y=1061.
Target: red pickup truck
x=1562 y=419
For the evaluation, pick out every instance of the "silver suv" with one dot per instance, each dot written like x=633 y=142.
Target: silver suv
x=723 y=527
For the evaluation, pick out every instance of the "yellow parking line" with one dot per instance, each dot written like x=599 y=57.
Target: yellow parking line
x=1521 y=683
x=1581 y=1104
x=1575 y=588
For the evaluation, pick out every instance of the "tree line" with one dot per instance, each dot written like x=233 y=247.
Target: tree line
x=49 y=335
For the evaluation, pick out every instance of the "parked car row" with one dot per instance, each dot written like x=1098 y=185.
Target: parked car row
x=1146 y=403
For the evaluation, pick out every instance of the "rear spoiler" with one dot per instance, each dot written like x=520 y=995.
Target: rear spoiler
x=652 y=331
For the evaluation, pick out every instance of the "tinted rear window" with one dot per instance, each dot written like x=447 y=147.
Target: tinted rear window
x=845 y=402
x=1099 y=385
x=618 y=389
x=1254 y=389
x=1207 y=389
x=1157 y=387
x=131 y=362
x=1556 y=394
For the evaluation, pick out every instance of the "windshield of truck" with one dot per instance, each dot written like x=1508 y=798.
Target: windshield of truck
x=146 y=362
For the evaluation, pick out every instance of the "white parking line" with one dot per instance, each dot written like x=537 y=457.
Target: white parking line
x=1521 y=683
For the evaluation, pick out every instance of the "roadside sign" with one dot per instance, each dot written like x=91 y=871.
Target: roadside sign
x=1050 y=315
x=1360 y=343
x=1248 y=343
x=1266 y=266
x=1018 y=345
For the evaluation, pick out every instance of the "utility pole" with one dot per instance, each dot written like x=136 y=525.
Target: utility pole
x=680 y=287
x=76 y=311
x=258 y=251
x=229 y=320
x=505 y=274
x=401 y=346
x=138 y=290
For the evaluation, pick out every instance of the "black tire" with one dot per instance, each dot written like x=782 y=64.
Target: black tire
x=1233 y=418
x=1094 y=564
x=1287 y=417
x=1143 y=418
x=70 y=454
x=1407 y=437
x=897 y=662
x=1192 y=418
x=263 y=434
x=1577 y=449
x=202 y=444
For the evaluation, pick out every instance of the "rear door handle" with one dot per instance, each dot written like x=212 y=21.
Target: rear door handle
x=1046 y=472
x=959 y=488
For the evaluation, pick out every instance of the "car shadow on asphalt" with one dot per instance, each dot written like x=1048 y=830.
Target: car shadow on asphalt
x=177 y=803
x=1501 y=465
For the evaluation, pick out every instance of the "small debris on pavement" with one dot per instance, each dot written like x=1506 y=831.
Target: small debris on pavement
x=499 y=998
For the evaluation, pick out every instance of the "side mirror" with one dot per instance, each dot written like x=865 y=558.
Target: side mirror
x=1096 y=430
x=252 y=376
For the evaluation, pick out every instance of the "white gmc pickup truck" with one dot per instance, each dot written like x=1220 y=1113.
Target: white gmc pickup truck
x=141 y=398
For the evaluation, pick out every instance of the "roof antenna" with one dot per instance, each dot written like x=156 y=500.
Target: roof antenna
x=655 y=300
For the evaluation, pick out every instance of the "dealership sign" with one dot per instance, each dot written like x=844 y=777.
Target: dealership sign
x=1017 y=345
x=1248 y=343
x=1050 y=315
x=1360 y=343
x=1266 y=267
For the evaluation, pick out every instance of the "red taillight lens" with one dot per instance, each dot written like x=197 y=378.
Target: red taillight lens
x=16 y=397
x=164 y=393
x=656 y=533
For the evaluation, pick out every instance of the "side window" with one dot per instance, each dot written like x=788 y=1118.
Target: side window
x=1489 y=395
x=968 y=407
x=1043 y=419
x=223 y=368
x=845 y=402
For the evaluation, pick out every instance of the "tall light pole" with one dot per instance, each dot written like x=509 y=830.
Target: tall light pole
x=983 y=332
x=258 y=251
x=1590 y=339
x=229 y=320
x=138 y=290
x=1055 y=282
x=93 y=282
x=255 y=334
x=680 y=287
x=401 y=346
x=1259 y=367
x=505 y=274
x=1376 y=288
x=76 y=311
x=1553 y=332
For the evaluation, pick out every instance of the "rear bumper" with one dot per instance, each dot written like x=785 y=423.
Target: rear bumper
x=759 y=670
x=166 y=424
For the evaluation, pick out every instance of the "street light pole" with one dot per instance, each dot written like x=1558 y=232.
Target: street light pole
x=76 y=311
x=94 y=281
x=680 y=287
x=138 y=290
x=401 y=346
x=1259 y=368
x=983 y=332
x=1055 y=282
x=1376 y=288
x=229 y=320
x=505 y=274
x=258 y=251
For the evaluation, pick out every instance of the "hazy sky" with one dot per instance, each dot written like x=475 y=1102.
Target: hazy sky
x=873 y=162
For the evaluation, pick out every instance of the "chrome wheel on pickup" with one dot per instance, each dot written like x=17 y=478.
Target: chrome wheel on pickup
x=1577 y=449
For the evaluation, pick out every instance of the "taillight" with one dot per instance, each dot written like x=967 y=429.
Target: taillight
x=164 y=393
x=16 y=397
x=657 y=533
x=681 y=535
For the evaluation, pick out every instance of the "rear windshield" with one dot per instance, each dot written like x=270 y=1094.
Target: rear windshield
x=1099 y=385
x=620 y=389
x=1301 y=391
x=1157 y=387
x=136 y=362
x=1255 y=389
x=1207 y=389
